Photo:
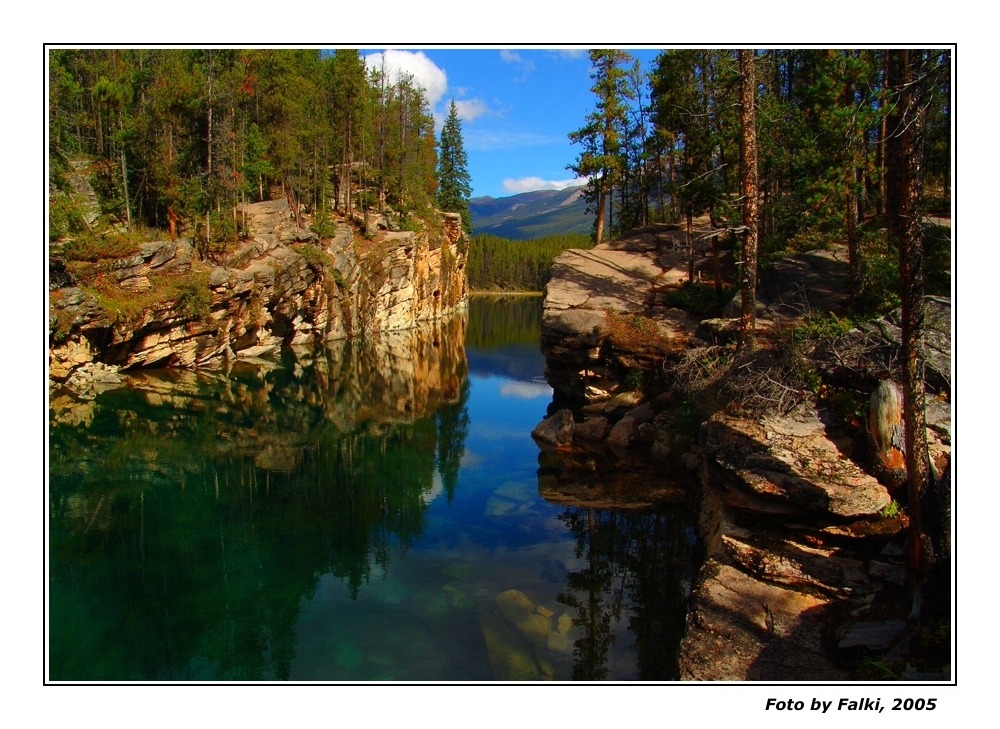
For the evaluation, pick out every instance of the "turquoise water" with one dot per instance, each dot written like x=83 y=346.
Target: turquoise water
x=368 y=512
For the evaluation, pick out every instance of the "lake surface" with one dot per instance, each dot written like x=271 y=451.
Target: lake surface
x=365 y=512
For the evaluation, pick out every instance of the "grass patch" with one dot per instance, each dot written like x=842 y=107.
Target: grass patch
x=189 y=293
x=632 y=331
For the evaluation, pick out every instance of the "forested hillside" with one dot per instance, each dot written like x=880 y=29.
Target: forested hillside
x=178 y=138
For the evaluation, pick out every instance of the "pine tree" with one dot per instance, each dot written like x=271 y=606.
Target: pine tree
x=455 y=184
x=601 y=136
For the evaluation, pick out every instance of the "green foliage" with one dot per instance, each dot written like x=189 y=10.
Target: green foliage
x=65 y=217
x=633 y=380
x=201 y=130
x=454 y=181
x=194 y=296
x=825 y=326
x=323 y=224
x=189 y=293
x=93 y=249
x=891 y=511
x=879 y=293
x=937 y=259
x=601 y=137
x=515 y=265
x=315 y=258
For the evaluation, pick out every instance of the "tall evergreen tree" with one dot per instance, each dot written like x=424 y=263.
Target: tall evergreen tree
x=454 y=181
x=601 y=159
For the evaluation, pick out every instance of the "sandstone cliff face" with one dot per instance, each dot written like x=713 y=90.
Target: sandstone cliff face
x=279 y=288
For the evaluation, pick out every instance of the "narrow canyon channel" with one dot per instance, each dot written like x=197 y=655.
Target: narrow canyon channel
x=369 y=511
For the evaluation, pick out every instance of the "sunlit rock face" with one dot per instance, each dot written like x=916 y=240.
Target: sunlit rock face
x=281 y=287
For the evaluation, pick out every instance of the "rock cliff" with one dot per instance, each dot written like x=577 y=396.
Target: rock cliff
x=803 y=574
x=163 y=307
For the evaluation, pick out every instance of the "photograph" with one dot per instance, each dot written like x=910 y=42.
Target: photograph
x=518 y=364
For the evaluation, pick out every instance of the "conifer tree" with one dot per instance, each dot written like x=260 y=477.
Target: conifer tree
x=601 y=136
x=454 y=182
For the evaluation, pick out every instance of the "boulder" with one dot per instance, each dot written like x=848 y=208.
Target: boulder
x=555 y=431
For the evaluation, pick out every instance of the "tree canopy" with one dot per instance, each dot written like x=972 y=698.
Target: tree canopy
x=178 y=138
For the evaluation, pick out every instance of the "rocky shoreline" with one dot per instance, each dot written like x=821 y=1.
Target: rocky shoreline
x=282 y=286
x=803 y=575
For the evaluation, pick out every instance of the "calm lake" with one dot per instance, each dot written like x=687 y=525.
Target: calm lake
x=365 y=512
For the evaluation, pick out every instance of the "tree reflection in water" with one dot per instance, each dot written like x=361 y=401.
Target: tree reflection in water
x=639 y=565
x=191 y=513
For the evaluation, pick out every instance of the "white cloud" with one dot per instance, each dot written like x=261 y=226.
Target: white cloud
x=516 y=58
x=471 y=109
x=528 y=184
x=425 y=72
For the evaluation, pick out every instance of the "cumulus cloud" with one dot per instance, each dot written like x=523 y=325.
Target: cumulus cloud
x=425 y=72
x=528 y=184
x=471 y=109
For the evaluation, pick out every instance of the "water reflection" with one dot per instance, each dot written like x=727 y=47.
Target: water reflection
x=194 y=511
x=631 y=589
x=366 y=512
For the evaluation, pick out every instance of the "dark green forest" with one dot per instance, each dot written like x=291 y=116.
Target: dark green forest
x=179 y=138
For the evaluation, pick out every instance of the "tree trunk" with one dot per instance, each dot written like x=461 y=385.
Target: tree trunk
x=748 y=173
x=601 y=202
x=904 y=171
x=690 y=245
x=128 y=207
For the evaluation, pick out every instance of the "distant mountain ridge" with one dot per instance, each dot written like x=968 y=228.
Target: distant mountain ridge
x=532 y=214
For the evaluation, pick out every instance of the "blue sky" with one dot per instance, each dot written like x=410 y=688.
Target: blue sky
x=517 y=106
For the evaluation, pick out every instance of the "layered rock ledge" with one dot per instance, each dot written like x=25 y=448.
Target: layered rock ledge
x=283 y=286
x=803 y=573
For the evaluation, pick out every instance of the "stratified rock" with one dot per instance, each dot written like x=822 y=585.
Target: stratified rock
x=786 y=466
x=278 y=288
x=794 y=564
x=622 y=433
x=617 y=277
x=592 y=429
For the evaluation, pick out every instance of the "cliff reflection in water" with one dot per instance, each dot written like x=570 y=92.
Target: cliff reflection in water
x=191 y=512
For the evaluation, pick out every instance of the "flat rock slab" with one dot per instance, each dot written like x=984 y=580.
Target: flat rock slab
x=789 y=465
x=600 y=278
x=627 y=277
x=742 y=629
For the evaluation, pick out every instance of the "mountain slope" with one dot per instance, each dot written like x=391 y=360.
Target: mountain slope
x=532 y=214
